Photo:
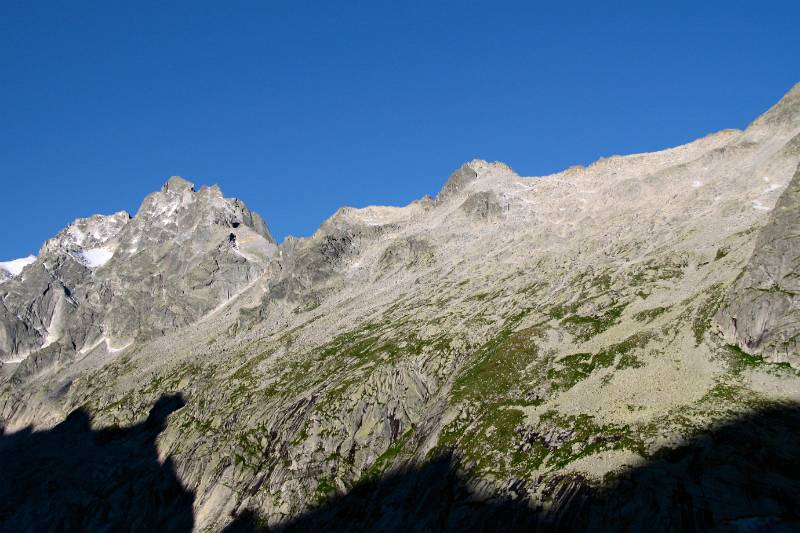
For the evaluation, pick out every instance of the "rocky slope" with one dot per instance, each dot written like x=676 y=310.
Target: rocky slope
x=544 y=347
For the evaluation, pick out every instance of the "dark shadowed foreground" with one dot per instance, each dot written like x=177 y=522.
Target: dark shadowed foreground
x=72 y=478
x=743 y=475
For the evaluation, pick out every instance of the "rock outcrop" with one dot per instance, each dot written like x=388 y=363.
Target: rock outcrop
x=762 y=315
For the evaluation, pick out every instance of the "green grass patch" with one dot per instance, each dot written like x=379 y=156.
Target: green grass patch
x=500 y=363
x=387 y=458
x=325 y=489
x=571 y=369
x=741 y=360
x=586 y=327
x=588 y=438
x=705 y=312
x=490 y=444
x=648 y=315
x=655 y=270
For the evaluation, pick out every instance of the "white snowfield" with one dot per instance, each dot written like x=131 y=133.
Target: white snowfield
x=14 y=267
x=96 y=257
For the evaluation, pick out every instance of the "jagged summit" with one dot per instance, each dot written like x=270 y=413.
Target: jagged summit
x=105 y=281
x=177 y=184
x=475 y=170
x=178 y=208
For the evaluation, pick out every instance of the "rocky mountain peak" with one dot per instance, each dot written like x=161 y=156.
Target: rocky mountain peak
x=490 y=169
x=104 y=280
x=178 y=209
x=457 y=181
x=477 y=170
x=177 y=184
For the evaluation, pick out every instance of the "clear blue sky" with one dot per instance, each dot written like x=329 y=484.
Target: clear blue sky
x=299 y=108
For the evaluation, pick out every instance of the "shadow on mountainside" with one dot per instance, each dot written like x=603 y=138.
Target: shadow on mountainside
x=743 y=475
x=740 y=475
x=73 y=478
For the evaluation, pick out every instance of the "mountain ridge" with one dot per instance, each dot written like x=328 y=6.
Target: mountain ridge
x=545 y=333
x=794 y=93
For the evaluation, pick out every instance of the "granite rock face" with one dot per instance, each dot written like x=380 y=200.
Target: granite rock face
x=762 y=315
x=457 y=181
x=107 y=281
x=549 y=352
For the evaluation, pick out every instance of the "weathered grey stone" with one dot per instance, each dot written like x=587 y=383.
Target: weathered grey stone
x=483 y=205
x=762 y=315
x=112 y=280
x=457 y=181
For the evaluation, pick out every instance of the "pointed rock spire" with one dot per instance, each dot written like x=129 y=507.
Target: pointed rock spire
x=177 y=184
x=457 y=181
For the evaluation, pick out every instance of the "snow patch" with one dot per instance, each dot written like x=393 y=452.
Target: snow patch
x=15 y=267
x=759 y=206
x=697 y=184
x=96 y=257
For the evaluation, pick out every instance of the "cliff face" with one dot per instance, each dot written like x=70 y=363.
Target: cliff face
x=550 y=345
x=763 y=313
x=107 y=281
